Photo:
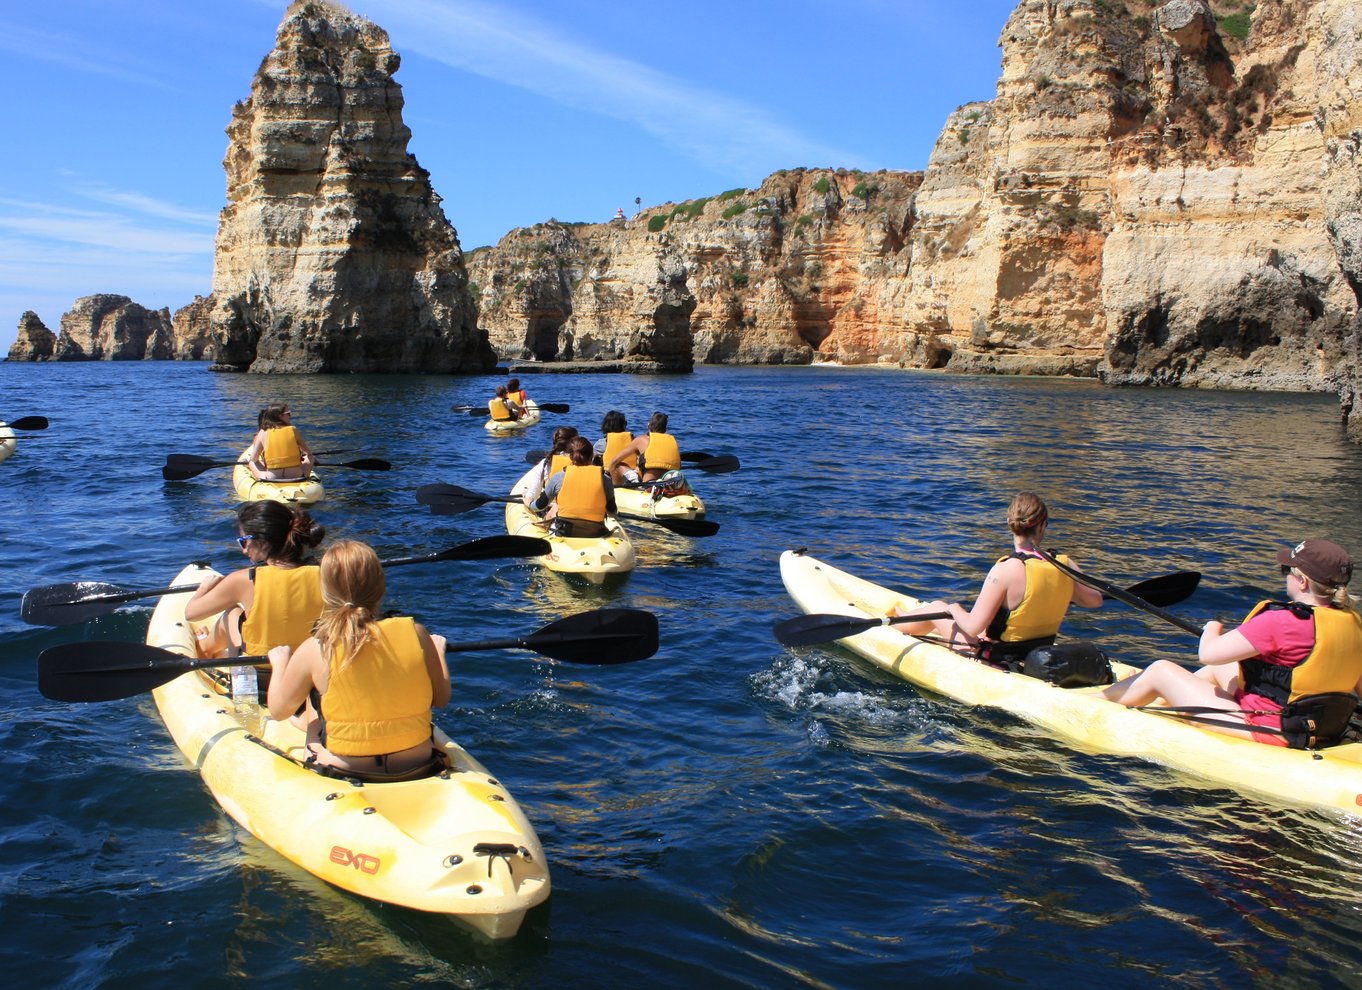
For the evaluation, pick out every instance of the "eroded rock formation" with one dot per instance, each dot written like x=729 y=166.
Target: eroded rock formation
x=1158 y=194
x=35 y=342
x=192 y=326
x=107 y=327
x=333 y=253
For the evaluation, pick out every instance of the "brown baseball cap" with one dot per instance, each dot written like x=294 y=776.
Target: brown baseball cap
x=1319 y=560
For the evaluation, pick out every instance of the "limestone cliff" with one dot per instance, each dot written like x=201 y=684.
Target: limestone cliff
x=109 y=327
x=333 y=253
x=35 y=342
x=1158 y=194
x=192 y=326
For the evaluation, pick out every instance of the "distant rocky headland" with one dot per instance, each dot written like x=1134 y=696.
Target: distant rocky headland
x=1159 y=193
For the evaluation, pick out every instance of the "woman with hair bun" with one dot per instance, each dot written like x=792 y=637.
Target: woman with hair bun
x=369 y=683
x=1024 y=598
x=1308 y=645
x=275 y=600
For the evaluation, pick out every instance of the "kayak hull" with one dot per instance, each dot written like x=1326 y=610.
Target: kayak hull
x=455 y=844
x=640 y=502
x=302 y=491
x=1330 y=778
x=8 y=443
x=507 y=426
x=594 y=559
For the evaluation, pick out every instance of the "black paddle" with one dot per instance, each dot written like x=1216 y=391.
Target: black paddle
x=707 y=463
x=189 y=466
x=28 y=423
x=107 y=670
x=553 y=407
x=187 y=461
x=823 y=627
x=1121 y=594
x=80 y=601
x=452 y=500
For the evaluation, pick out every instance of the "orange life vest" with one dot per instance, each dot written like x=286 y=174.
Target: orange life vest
x=662 y=454
x=583 y=493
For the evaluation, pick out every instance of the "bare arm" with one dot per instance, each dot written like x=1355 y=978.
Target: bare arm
x=635 y=446
x=436 y=666
x=219 y=593
x=1084 y=595
x=1218 y=646
x=991 y=598
x=291 y=677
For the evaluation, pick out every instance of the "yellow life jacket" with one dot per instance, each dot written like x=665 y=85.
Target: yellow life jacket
x=557 y=462
x=614 y=443
x=519 y=398
x=583 y=493
x=662 y=454
x=498 y=409
x=281 y=448
x=380 y=701
x=1333 y=665
x=287 y=604
x=1043 y=606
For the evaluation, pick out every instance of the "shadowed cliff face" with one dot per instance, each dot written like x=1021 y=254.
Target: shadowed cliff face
x=333 y=253
x=1158 y=194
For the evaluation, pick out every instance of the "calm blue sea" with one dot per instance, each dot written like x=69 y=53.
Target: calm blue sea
x=729 y=813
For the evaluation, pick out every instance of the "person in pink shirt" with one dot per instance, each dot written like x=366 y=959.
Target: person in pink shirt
x=1305 y=647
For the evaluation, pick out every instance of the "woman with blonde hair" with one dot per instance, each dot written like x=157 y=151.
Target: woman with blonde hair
x=369 y=683
x=1309 y=645
x=1023 y=601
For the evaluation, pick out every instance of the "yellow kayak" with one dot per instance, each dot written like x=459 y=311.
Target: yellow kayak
x=1329 y=778
x=454 y=844
x=641 y=502
x=594 y=558
x=301 y=491
x=531 y=417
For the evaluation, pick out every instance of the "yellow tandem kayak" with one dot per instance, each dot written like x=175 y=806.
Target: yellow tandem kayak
x=300 y=491
x=594 y=558
x=454 y=844
x=1329 y=778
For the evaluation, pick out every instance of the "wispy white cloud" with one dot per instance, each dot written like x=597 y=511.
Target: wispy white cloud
x=74 y=52
x=712 y=128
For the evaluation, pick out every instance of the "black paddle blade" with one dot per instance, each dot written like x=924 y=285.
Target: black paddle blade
x=554 y=407
x=718 y=465
x=810 y=630
x=683 y=527
x=535 y=456
x=691 y=456
x=105 y=671
x=495 y=547
x=824 y=627
x=601 y=637
x=1167 y=589
x=29 y=423
x=62 y=605
x=362 y=464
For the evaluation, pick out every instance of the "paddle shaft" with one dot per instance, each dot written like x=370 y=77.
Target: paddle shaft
x=1120 y=594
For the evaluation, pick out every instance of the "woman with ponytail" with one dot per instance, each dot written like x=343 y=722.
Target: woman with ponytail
x=275 y=600
x=1307 y=646
x=1023 y=601
x=369 y=683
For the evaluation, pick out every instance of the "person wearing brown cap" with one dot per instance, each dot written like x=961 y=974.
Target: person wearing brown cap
x=1299 y=657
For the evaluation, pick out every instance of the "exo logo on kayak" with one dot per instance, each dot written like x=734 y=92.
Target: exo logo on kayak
x=360 y=861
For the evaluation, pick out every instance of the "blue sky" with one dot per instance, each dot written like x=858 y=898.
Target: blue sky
x=111 y=179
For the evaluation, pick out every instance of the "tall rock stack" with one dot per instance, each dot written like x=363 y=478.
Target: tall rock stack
x=333 y=253
x=35 y=342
